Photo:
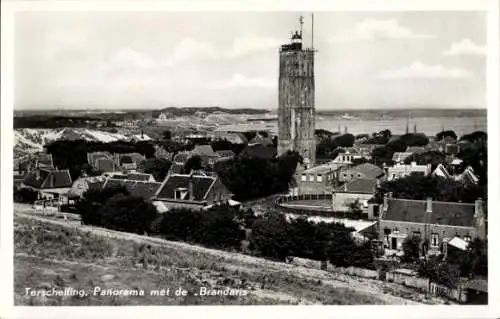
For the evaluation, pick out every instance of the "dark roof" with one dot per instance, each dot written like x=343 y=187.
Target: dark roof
x=225 y=153
x=45 y=160
x=105 y=165
x=261 y=140
x=260 y=151
x=139 y=176
x=142 y=189
x=92 y=158
x=368 y=169
x=48 y=178
x=201 y=186
x=359 y=185
x=206 y=150
x=477 y=284
x=443 y=213
x=135 y=157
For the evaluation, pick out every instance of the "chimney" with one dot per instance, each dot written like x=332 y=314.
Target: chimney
x=429 y=205
x=429 y=168
x=142 y=135
x=478 y=208
x=386 y=202
x=191 y=187
x=413 y=163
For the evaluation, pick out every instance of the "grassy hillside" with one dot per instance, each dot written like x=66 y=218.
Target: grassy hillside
x=50 y=255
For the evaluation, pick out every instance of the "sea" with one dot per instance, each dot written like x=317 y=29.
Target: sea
x=425 y=121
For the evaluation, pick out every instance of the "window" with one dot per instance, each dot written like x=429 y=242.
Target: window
x=319 y=178
x=303 y=178
x=396 y=231
x=359 y=175
x=434 y=240
x=467 y=239
x=417 y=234
x=311 y=178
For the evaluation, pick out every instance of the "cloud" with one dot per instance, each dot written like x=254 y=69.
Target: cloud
x=465 y=47
x=239 y=80
x=372 y=29
x=419 y=70
x=250 y=43
x=128 y=58
x=64 y=40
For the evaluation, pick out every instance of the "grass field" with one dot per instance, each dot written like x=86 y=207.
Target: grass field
x=52 y=254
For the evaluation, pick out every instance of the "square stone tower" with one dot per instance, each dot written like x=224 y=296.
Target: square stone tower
x=296 y=113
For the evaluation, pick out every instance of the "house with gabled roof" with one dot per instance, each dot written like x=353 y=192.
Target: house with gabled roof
x=48 y=182
x=399 y=157
x=434 y=222
x=101 y=161
x=192 y=191
x=365 y=170
x=359 y=189
x=259 y=151
x=145 y=190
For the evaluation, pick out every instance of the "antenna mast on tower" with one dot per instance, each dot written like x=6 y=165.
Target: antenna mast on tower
x=301 y=21
x=312 y=31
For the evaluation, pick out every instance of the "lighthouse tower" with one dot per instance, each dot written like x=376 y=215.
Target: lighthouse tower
x=296 y=123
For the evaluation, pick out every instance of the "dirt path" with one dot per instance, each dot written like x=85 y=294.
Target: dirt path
x=247 y=263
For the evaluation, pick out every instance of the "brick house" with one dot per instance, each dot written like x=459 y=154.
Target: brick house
x=194 y=190
x=365 y=170
x=433 y=221
x=318 y=179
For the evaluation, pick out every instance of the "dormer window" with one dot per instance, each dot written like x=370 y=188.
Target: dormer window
x=181 y=193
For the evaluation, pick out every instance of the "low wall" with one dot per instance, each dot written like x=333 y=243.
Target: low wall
x=352 y=271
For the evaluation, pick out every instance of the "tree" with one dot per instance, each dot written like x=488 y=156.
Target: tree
x=345 y=140
x=270 y=237
x=195 y=162
x=158 y=167
x=355 y=210
x=439 y=272
x=25 y=195
x=444 y=134
x=220 y=228
x=167 y=135
x=92 y=202
x=414 y=139
x=411 y=249
x=340 y=248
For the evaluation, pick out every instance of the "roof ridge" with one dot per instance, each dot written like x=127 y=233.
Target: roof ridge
x=425 y=200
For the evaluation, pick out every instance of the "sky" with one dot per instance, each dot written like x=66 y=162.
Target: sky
x=230 y=59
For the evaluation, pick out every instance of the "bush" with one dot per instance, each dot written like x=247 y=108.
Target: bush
x=25 y=195
x=217 y=227
x=270 y=237
x=128 y=214
x=411 y=248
